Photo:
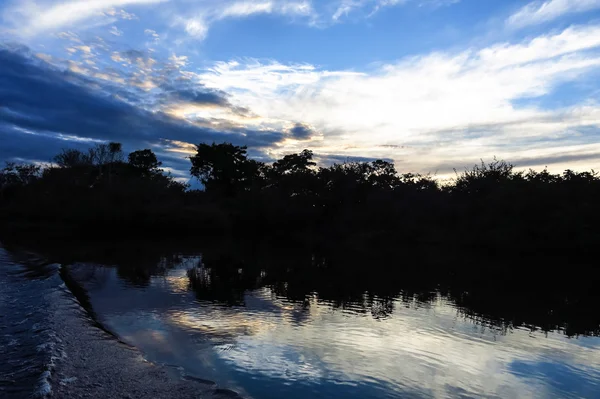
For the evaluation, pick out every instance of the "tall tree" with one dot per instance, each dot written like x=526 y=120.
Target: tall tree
x=224 y=168
x=145 y=161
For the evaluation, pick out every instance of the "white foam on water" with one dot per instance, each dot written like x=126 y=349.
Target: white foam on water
x=44 y=388
x=18 y=323
x=56 y=354
x=45 y=346
x=68 y=380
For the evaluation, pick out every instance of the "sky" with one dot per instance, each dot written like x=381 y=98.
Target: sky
x=434 y=85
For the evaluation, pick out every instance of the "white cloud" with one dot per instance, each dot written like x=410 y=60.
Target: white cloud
x=152 y=33
x=247 y=8
x=243 y=9
x=539 y=12
x=345 y=7
x=437 y=109
x=178 y=61
x=31 y=18
x=198 y=25
x=115 y=31
x=34 y=17
x=121 y=14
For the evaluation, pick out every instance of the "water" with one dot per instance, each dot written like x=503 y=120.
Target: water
x=263 y=338
x=29 y=344
x=265 y=345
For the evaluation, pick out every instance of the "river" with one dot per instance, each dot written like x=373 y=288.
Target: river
x=262 y=341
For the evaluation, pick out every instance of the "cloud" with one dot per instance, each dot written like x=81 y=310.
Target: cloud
x=539 y=12
x=115 y=31
x=344 y=8
x=248 y=8
x=29 y=19
x=302 y=131
x=198 y=25
x=141 y=59
x=33 y=17
x=121 y=14
x=194 y=94
x=451 y=106
x=330 y=159
x=56 y=108
x=152 y=33
x=245 y=8
x=16 y=144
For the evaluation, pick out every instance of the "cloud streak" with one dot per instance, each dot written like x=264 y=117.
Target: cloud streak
x=539 y=12
x=209 y=13
x=30 y=19
x=33 y=18
x=344 y=8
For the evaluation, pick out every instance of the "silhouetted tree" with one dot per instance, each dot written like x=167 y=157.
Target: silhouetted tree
x=15 y=174
x=145 y=161
x=70 y=158
x=383 y=174
x=224 y=168
x=294 y=174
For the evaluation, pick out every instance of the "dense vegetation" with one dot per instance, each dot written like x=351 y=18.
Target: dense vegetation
x=490 y=208
x=491 y=233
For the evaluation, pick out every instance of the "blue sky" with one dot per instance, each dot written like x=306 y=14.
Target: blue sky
x=431 y=84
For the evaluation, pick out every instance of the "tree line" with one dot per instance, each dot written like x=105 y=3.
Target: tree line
x=490 y=208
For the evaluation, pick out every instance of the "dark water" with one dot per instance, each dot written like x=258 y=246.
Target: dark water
x=29 y=344
x=263 y=344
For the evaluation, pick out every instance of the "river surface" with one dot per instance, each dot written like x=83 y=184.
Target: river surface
x=264 y=345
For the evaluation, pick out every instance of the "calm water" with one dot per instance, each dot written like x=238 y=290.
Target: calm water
x=264 y=345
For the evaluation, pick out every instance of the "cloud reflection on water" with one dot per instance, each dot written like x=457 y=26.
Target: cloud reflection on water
x=271 y=347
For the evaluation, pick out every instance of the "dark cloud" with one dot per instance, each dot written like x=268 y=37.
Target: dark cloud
x=15 y=144
x=301 y=131
x=48 y=102
x=338 y=159
x=194 y=94
x=554 y=159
